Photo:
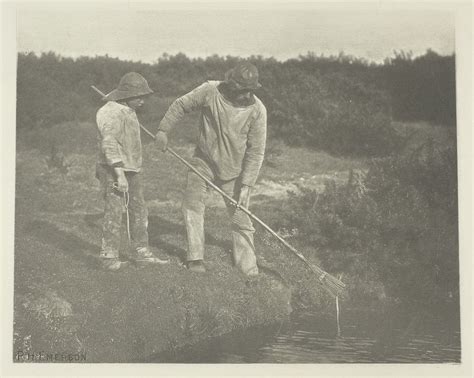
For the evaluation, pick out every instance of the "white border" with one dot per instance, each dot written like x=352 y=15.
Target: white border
x=464 y=18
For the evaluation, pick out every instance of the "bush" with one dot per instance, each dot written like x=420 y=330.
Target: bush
x=422 y=88
x=340 y=104
x=395 y=225
x=333 y=112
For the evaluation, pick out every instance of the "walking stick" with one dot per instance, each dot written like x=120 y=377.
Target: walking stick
x=331 y=283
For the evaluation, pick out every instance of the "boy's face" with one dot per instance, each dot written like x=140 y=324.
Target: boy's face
x=136 y=102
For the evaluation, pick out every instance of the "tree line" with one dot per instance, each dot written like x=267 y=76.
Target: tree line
x=342 y=104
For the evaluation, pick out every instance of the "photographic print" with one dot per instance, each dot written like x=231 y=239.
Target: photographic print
x=238 y=184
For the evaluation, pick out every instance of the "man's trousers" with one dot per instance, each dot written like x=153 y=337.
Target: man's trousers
x=193 y=208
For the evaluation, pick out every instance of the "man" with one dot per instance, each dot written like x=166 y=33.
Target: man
x=229 y=153
x=118 y=169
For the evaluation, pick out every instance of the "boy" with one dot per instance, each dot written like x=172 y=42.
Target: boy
x=118 y=169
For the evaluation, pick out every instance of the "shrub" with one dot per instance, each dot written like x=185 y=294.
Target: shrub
x=340 y=104
x=396 y=225
x=422 y=88
x=333 y=112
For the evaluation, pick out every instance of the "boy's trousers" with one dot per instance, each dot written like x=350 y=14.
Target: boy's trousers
x=114 y=209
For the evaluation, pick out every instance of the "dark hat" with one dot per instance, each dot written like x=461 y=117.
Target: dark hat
x=131 y=84
x=244 y=76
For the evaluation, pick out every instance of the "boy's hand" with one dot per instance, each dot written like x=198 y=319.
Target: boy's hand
x=122 y=183
x=161 y=140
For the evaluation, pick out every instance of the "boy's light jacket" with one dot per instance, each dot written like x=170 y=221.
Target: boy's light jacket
x=231 y=138
x=119 y=137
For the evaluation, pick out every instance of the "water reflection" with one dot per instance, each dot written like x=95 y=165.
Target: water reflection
x=311 y=338
x=304 y=347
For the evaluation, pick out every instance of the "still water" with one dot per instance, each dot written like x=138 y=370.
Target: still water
x=312 y=338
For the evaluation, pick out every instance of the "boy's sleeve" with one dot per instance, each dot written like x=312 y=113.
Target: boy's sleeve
x=255 y=151
x=110 y=126
x=185 y=104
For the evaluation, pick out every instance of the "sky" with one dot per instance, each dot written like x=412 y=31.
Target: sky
x=138 y=32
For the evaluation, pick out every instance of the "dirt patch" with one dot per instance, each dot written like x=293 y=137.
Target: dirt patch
x=278 y=190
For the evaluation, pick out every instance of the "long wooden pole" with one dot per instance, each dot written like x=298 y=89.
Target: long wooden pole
x=245 y=210
x=322 y=274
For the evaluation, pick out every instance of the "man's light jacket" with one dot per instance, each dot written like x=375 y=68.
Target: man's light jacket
x=231 y=138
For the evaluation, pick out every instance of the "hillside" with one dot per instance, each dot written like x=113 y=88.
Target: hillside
x=64 y=301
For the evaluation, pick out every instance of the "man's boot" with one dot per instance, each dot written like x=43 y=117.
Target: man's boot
x=196 y=266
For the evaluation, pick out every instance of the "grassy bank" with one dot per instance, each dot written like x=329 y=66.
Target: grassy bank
x=65 y=303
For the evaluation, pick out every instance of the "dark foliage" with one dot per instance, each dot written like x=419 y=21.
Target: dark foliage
x=341 y=104
x=423 y=88
x=396 y=225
